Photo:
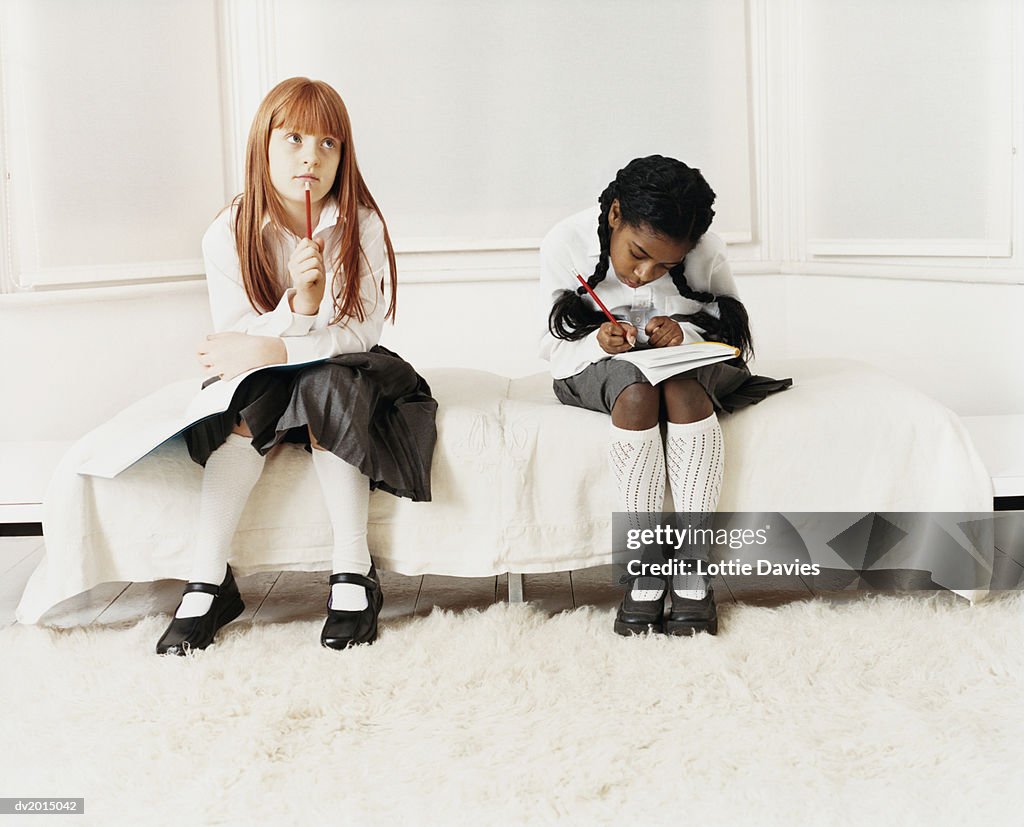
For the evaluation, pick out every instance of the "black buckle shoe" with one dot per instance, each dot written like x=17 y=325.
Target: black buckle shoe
x=187 y=634
x=687 y=617
x=343 y=629
x=639 y=617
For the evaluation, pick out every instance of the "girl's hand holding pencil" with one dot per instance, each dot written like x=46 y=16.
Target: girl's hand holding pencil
x=613 y=336
x=616 y=337
x=306 y=269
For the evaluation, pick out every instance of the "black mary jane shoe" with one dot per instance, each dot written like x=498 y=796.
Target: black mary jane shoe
x=343 y=629
x=187 y=634
x=687 y=617
x=639 y=617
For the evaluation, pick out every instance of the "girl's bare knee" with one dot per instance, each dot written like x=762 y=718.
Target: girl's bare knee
x=242 y=429
x=637 y=407
x=687 y=401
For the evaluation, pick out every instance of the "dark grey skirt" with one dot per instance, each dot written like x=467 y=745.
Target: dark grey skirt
x=370 y=409
x=730 y=385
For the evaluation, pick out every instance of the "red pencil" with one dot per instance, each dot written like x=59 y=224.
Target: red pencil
x=309 y=214
x=600 y=304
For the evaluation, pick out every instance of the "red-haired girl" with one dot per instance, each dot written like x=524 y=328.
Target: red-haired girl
x=278 y=297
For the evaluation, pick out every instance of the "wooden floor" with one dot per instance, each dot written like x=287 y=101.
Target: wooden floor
x=280 y=596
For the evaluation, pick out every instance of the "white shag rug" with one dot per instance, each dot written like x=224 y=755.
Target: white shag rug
x=888 y=710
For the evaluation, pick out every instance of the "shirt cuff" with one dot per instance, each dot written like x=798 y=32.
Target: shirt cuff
x=691 y=333
x=307 y=348
x=299 y=325
x=281 y=321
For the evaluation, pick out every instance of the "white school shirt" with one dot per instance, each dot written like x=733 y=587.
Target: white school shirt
x=305 y=338
x=572 y=246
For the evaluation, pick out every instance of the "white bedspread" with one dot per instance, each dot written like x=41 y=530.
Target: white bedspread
x=520 y=482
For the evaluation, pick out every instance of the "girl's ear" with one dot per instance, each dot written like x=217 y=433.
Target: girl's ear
x=614 y=216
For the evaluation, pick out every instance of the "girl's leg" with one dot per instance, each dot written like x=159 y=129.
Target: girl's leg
x=230 y=474
x=638 y=468
x=347 y=497
x=695 y=453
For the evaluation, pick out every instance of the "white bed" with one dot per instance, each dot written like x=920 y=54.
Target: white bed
x=520 y=482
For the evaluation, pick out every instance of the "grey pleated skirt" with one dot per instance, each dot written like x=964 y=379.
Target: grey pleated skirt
x=370 y=409
x=730 y=385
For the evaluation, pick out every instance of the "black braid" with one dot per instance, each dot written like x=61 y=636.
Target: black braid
x=571 y=318
x=683 y=286
x=733 y=326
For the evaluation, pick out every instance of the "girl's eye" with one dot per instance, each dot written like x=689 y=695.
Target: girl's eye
x=634 y=254
x=296 y=138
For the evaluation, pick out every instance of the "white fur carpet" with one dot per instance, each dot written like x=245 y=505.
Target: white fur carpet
x=886 y=710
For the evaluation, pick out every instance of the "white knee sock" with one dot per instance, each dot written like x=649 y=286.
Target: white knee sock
x=695 y=453
x=347 y=496
x=638 y=467
x=228 y=479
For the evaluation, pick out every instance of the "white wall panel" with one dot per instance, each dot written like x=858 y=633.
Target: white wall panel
x=491 y=121
x=907 y=125
x=113 y=130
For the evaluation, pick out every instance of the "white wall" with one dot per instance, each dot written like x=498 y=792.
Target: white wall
x=867 y=178
x=86 y=359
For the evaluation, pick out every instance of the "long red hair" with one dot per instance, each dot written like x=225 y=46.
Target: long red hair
x=313 y=107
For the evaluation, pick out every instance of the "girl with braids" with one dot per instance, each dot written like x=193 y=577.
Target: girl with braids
x=278 y=297
x=651 y=260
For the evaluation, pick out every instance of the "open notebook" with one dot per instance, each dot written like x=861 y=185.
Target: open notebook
x=144 y=435
x=661 y=363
